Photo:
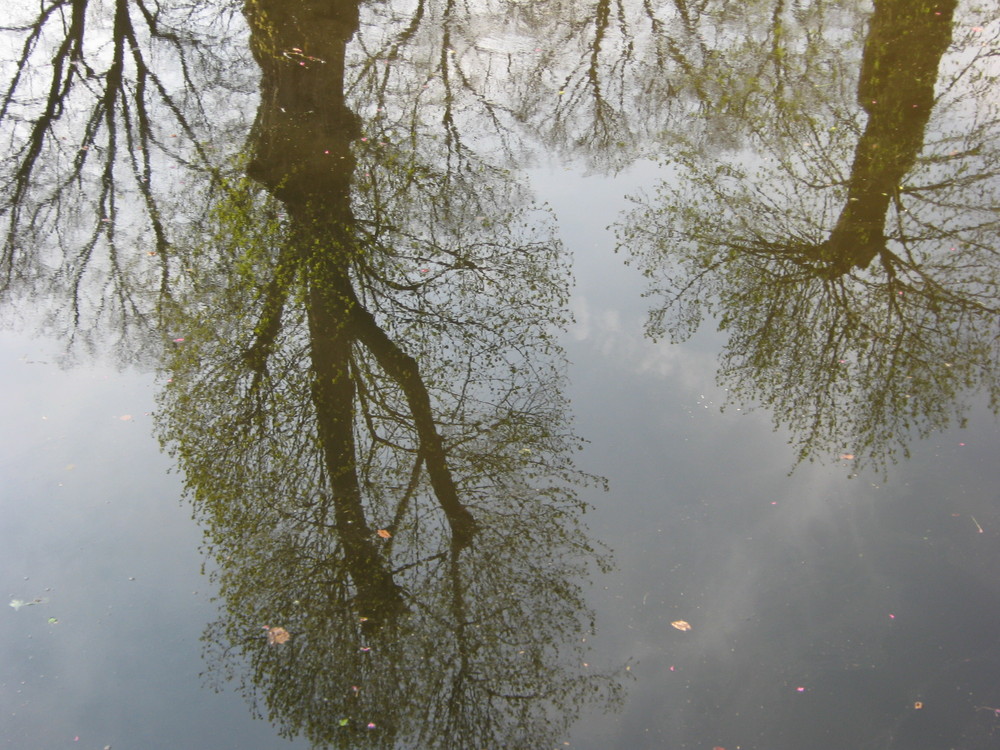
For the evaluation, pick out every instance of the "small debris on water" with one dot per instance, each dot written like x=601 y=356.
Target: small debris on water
x=276 y=635
x=18 y=603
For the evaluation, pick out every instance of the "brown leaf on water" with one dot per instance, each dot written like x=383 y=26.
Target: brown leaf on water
x=277 y=635
x=384 y=534
x=681 y=624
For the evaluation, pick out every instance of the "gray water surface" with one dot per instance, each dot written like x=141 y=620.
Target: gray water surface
x=476 y=349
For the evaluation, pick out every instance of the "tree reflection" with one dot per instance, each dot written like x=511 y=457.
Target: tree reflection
x=610 y=81
x=101 y=101
x=859 y=291
x=367 y=409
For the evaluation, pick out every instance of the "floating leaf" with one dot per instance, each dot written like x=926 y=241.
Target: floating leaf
x=384 y=534
x=277 y=635
x=681 y=624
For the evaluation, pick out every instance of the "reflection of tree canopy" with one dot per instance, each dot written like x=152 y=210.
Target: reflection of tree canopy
x=467 y=635
x=852 y=261
x=100 y=102
x=369 y=347
x=368 y=328
x=113 y=111
x=617 y=78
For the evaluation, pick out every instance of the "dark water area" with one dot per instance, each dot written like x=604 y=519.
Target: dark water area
x=504 y=376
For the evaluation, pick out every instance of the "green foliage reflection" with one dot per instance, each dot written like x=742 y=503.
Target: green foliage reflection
x=369 y=346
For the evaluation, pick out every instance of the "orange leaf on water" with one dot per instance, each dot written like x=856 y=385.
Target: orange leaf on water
x=681 y=624
x=277 y=635
x=384 y=534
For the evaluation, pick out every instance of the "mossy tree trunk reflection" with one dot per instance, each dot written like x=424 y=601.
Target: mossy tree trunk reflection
x=899 y=70
x=301 y=153
x=301 y=146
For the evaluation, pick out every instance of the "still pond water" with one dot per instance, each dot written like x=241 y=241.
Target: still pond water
x=500 y=375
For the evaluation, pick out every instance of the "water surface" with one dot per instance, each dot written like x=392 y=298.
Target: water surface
x=397 y=375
